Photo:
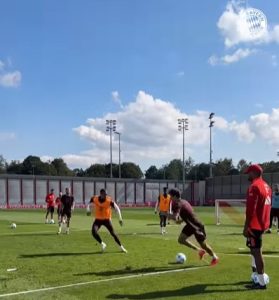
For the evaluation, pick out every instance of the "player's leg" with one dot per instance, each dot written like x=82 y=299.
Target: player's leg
x=270 y=221
x=108 y=225
x=161 y=222
x=186 y=232
x=51 y=214
x=254 y=242
x=164 y=222
x=95 y=228
x=200 y=236
x=62 y=216
x=47 y=213
x=69 y=216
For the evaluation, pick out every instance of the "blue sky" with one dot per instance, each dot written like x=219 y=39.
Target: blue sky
x=66 y=66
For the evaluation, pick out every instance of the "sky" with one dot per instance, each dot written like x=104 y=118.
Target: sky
x=67 y=66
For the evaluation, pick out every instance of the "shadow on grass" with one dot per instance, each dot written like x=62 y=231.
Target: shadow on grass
x=65 y=254
x=264 y=252
x=197 y=289
x=140 y=233
x=129 y=271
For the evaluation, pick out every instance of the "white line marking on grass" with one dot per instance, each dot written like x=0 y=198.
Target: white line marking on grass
x=100 y=281
x=241 y=254
x=15 y=233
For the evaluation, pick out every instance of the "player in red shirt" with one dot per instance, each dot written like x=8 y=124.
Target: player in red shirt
x=183 y=211
x=50 y=200
x=258 y=206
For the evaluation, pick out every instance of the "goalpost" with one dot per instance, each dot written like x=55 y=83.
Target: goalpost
x=233 y=208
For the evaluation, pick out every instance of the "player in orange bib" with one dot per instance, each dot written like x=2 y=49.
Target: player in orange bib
x=164 y=206
x=103 y=204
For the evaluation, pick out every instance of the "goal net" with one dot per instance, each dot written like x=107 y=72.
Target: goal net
x=230 y=211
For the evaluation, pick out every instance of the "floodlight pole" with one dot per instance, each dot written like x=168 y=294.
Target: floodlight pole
x=183 y=126
x=111 y=127
x=211 y=124
x=119 y=153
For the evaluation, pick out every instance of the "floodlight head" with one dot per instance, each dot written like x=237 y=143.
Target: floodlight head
x=211 y=115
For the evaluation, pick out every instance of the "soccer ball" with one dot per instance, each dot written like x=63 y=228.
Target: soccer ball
x=255 y=278
x=51 y=222
x=180 y=258
x=13 y=225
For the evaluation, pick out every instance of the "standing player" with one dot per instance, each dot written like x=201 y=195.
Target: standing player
x=183 y=211
x=164 y=209
x=103 y=204
x=59 y=207
x=274 y=208
x=67 y=201
x=50 y=200
x=258 y=206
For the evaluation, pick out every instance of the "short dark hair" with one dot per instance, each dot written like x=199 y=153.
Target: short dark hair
x=175 y=193
x=103 y=191
x=165 y=188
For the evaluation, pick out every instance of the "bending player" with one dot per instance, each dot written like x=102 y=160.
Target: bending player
x=103 y=204
x=183 y=211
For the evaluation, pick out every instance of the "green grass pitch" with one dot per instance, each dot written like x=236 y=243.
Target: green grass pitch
x=148 y=271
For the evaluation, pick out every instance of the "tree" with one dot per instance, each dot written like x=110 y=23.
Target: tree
x=14 y=167
x=61 y=167
x=223 y=167
x=151 y=173
x=131 y=170
x=174 y=170
x=96 y=170
x=3 y=165
x=242 y=165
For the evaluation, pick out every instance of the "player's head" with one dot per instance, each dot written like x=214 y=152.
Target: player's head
x=67 y=191
x=175 y=194
x=165 y=189
x=52 y=191
x=103 y=193
x=254 y=171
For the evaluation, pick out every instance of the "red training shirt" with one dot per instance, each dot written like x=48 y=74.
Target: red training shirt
x=50 y=200
x=258 y=204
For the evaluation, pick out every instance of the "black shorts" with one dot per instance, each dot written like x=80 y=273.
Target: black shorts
x=99 y=223
x=67 y=213
x=163 y=213
x=50 y=209
x=254 y=240
x=199 y=232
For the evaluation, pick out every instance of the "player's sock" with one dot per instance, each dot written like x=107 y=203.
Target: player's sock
x=162 y=230
x=123 y=249
x=165 y=229
x=103 y=245
x=202 y=253
x=59 y=229
x=253 y=264
x=261 y=279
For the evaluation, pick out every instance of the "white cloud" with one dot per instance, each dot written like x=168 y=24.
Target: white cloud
x=116 y=98
x=243 y=131
x=149 y=132
x=10 y=79
x=7 y=136
x=231 y=58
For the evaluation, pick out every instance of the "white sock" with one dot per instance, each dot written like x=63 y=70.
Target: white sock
x=261 y=279
x=103 y=244
x=214 y=256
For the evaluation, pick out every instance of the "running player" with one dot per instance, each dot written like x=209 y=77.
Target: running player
x=50 y=200
x=274 y=209
x=68 y=202
x=258 y=206
x=163 y=204
x=103 y=204
x=183 y=211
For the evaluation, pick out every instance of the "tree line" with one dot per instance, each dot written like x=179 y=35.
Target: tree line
x=32 y=165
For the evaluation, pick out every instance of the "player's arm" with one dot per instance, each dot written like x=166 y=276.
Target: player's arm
x=252 y=199
x=156 y=205
x=89 y=207
x=118 y=211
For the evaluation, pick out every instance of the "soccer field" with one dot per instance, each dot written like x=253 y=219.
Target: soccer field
x=49 y=266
